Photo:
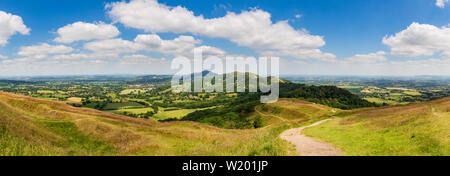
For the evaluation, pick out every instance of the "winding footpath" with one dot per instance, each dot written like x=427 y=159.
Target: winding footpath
x=306 y=146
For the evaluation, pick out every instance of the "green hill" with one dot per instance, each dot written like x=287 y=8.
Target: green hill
x=236 y=113
x=288 y=110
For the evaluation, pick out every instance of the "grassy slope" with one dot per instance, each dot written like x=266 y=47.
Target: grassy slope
x=415 y=129
x=288 y=110
x=30 y=126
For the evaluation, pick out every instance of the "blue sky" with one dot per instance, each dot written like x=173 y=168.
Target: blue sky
x=352 y=34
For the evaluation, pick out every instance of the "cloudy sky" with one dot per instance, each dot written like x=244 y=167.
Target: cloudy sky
x=326 y=37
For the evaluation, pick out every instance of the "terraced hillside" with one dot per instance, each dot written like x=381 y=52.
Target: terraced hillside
x=415 y=129
x=30 y=126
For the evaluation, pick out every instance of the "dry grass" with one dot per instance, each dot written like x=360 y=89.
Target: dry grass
x=53 y=128
x=292 y=110
x=414 y=129
x=31 y=126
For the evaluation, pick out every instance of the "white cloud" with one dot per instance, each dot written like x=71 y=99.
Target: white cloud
x=112 y=46
x=25 y=60
x=441 y=3
x=253 y=28
x=41 y=51
x=180 y=46
x=152 y=16
x=149 y=41
x=141 y=59
x=3 y=57
x=298 y=16
x=368 y=58
x=75 y=56
x=308 y=53
x=419 y=39
x=86 y=31
x=211 y=51
x=85 y=56
x=9 y=25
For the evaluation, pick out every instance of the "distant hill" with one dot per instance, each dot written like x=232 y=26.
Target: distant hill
x=236 y=114
x=326 y=95
x=149 y=79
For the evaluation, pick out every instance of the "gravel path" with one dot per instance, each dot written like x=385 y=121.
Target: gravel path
x=306 y=146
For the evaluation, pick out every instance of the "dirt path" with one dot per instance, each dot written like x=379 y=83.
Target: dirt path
x=306 y=146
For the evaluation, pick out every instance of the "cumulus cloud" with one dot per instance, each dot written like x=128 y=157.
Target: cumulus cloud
x=41 y=51
x=180 y=46
x=441 y=3
x=86 y=31
x=141 y=59
x=368 y=58
x=112 y=46
x=9 y=25
x=211 y=51
x=150 y=41
x=253 y=28
x=24 y=60
x=85 y=56
x=419 y=39
x=3 y=57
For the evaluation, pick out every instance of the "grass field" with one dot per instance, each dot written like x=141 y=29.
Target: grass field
x=141 y=101
x=76 y=100
x=134 y=111
x=133 y=91
x=46 y=92
x=126 y=105
x=39 y=127
x=351 y=87
x=47 y=98
x=397 y=88
x=381 y=101
x=291 y=110
x=178 y=114
x=162 y=115
x=415 y=129
x=413 y=93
